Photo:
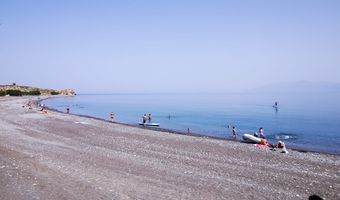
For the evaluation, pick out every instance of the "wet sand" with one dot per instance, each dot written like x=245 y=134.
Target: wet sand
x=61 y=156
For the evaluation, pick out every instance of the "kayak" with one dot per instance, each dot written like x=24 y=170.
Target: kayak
x=251 y=138
x=149 y=124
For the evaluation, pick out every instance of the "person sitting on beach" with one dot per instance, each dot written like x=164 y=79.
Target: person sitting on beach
x=42 y=107
x=264 y=142
x=281 y=145
x=44 y=110
x=29 y=105
x=261 y=133
x=234 y=132
x=149 y=118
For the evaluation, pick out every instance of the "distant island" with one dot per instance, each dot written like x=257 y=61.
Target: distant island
x=17 y=90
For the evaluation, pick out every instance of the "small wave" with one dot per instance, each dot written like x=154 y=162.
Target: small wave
x=84 y=123
x=283 y=136
x=171 y=116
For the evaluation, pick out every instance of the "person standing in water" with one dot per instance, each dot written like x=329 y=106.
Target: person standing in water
x=67 y=110
x=112 y=116
x=234 y=132
x=144 y=119
x=261 y=133
x=149 y=118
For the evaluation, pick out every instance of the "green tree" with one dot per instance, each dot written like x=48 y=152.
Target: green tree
x=34 y=92
x=54 y=93
x=14 y=92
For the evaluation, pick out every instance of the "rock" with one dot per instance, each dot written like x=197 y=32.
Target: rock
x=67 y=92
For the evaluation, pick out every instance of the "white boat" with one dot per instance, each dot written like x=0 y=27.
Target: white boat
x=149 y=124
x=251 y=138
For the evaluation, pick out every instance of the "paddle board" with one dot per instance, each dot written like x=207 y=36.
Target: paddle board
x=149 y=124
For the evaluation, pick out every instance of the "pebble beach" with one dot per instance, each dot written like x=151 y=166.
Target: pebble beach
x=56 y=155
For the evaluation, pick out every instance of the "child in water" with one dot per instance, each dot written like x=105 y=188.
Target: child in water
x=234 y=132
x=261 y=133
x=112 y=116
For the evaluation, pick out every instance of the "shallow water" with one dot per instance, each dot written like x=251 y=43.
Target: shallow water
x=307 y=121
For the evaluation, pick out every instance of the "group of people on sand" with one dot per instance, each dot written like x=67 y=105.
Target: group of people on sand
x=280 y=145
x=28 y=105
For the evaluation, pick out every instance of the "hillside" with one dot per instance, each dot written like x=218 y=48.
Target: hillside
x=17 y=90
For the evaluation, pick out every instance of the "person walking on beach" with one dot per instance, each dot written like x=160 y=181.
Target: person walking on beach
x=149 y=118
x=261 y=133
x=112 y=116
x=68 y=110
x=234 y=132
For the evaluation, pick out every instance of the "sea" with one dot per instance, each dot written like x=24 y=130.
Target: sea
x=305 y=121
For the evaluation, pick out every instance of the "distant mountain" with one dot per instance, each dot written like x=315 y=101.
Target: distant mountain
x=298 y=87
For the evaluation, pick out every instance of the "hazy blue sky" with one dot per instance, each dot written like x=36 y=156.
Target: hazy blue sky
x=168 y=46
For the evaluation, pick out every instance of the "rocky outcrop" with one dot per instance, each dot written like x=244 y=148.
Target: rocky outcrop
x=67 y=92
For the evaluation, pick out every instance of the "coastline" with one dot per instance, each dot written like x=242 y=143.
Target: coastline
x=58 y=155
x=193 y=134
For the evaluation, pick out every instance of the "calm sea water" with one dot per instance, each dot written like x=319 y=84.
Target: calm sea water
x=307 y=121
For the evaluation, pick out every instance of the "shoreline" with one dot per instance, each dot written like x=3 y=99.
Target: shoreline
x=62 y=156
x=193 y=134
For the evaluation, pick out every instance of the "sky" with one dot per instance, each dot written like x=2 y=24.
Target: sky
x=97 y=46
